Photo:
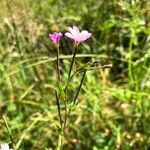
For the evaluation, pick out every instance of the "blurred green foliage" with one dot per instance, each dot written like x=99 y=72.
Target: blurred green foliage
x=113 y=110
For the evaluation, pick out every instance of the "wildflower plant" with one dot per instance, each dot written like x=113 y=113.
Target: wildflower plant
x=77 y=37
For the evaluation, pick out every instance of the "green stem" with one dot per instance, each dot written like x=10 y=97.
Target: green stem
x=72 y=62
x=58 y=69
x=77 y=94
x=59 y=146
x=58 y=107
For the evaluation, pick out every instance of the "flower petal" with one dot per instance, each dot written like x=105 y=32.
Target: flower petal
x=85 y=37
x=69 y=35
x=71 y=30
x=84 y=32
x=76 y=29
x=60 y=34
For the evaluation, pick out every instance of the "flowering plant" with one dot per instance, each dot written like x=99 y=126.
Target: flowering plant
x=78 y=37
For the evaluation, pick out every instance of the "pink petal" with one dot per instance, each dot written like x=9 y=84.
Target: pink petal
x=76 y=29
x=69 y=35
x=85 y=37
x=89 y=35
x=71 y=30
x=59 y=33
x=84 y=32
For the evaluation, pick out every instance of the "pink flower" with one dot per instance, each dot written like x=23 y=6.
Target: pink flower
x=56 y=37
x=77 y=36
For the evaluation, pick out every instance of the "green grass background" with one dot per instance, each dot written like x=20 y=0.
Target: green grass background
x=113 y=110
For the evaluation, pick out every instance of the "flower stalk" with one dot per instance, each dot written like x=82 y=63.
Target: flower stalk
x=58 y=107
x=72 y=61
x=79 y=88
x=58 y=65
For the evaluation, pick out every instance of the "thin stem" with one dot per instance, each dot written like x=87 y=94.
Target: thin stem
x=65 y=120
x=72 y=62
x=58 y=69
x=8 y=129
x=60 y=139
x=58 y=106
x=66 y=112
x=58 y=102
x=66 y=115
x=77 y=94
